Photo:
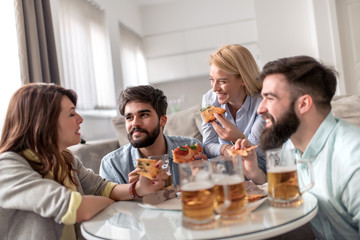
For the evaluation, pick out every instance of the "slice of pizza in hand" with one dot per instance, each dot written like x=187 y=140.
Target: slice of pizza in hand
x=208 y=113
x=147 y=167
x=186 y=153
x=241 y=152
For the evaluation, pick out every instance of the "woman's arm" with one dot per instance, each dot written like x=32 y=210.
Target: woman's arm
x=90 y=206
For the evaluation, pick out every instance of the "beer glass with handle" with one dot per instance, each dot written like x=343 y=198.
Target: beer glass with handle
x=283 y=183
x=229 y=184
x=166 y=165
x=197 y=195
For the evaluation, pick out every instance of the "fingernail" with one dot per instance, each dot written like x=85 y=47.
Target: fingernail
x=153 y=182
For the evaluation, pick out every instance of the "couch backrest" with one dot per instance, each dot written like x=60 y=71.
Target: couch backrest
x=347 y=108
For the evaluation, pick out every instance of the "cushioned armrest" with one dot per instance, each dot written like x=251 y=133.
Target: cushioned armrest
x=92 y=152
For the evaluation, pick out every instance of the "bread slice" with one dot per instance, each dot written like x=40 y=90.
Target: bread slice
x=147 y=167
x=208 y=113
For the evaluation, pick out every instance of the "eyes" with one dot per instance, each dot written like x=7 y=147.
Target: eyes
x=220 y=81
x=140 y=115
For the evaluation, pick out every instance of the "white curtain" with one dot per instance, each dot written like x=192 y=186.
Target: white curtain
x=84 y=51
x=133 y=62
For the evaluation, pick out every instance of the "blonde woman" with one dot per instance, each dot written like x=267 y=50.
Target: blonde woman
x=233 y=79
x=44 y=189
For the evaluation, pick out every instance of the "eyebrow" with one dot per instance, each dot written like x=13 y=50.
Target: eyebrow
x=218 y=78
x=72 y=108
x=269 y=94
x=140 y=111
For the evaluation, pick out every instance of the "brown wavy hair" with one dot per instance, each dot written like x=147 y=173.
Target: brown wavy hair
x=238 y=60
x=31 y=122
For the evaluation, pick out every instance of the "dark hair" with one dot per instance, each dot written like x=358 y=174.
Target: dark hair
x=145 y=94
x=305 y=76
x=31 y=123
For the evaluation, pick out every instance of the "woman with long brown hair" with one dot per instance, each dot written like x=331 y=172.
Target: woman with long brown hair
x=44 y=189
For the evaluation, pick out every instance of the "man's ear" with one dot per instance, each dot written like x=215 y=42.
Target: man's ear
x=163 y=120
x=304 y=103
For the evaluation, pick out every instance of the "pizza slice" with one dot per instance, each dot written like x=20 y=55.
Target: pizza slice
x=255 y=197
x=241 y=152
x=208 y=113
x=147 y=167
x=186 y=153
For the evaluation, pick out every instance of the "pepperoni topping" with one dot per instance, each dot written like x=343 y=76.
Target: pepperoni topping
x=183 y=151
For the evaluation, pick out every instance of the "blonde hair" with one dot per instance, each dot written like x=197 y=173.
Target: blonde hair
x=236 y=59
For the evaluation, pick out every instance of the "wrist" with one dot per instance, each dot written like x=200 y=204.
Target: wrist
x=223 y=148
x=133 y=193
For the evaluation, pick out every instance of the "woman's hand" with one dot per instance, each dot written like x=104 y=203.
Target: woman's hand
x=250 y=164
x=145 y=185
x=228 y=131
x=134 y=175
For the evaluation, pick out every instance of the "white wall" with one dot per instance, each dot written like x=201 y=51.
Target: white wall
x=285 y=28
x=179 y=36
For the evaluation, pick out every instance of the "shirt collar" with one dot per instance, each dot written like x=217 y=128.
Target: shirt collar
x=245 y=107
x=320 y=137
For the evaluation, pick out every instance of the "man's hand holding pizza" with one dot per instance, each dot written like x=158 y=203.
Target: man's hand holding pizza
x=249 y=158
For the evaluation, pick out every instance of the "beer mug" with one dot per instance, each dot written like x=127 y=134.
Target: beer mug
x=229 y=183
x=283 y=183
x=166 y=165
x=197 y=195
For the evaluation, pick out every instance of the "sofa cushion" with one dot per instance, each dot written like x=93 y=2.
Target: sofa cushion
x=120 y=129
x=347 y=107
x=92 y=152
x=186 y=123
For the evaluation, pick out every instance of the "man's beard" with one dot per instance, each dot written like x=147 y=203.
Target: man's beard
x=148 y=140
x=280 y=131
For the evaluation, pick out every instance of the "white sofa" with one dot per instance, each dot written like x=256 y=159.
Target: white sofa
x=188 y=123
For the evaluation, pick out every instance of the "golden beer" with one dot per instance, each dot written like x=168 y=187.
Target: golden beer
x=283 y=187
x=198 y=204
x=237 y=196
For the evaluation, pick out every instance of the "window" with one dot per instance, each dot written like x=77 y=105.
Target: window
x=133 y=62
x=84 y=52
x=9 y=58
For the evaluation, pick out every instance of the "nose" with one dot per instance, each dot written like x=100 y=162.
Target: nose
x=136 y=122
x=80 y=119
x=214 y=85
x=262 y=108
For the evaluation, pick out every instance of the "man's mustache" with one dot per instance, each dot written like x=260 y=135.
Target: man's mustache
x=138 y=130
x=267 y=116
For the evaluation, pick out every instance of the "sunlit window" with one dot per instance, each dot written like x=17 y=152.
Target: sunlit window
x=9 y=57
x=84 y=53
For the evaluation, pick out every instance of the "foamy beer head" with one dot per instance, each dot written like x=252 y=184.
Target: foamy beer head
x=197 y=195
x=283 y=184
x=230 y=192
